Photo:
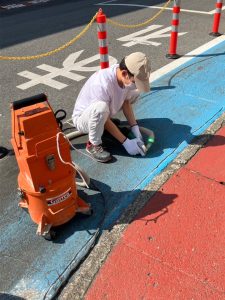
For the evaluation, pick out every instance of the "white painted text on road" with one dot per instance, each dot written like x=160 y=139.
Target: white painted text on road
x=67 y=71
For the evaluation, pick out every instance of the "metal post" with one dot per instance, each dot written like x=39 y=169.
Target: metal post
x=174 y=31
x=217 y=15
x=102 y=39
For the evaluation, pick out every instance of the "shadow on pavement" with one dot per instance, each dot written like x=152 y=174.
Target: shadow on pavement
x=158 y=205
x=164 y=129
x=4 y=296
x=65 y=231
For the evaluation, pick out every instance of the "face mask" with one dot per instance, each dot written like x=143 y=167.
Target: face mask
x=131 y=86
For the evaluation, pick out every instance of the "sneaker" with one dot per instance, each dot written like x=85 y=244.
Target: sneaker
x=98 y=153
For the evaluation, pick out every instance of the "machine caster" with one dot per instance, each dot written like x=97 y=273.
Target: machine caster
x=88 y=213
x=50 y=235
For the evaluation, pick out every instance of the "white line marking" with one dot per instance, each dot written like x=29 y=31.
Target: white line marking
x=158 y=7
x=213 y=11
x=200 y=98
x=177 y=63
x=23 y=4
x=102 y=3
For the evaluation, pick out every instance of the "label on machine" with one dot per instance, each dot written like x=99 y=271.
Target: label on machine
x=60 y=198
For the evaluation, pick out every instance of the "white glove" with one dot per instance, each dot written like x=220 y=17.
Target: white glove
x=133 y=147
x=136 y=132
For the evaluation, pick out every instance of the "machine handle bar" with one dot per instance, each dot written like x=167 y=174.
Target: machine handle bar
x=29 y=101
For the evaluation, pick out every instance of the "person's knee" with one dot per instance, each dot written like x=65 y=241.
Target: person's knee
x=99 y=114
x=102 y=108
x=101 y=111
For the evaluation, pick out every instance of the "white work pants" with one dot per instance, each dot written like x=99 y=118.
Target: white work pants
x=92 y=121
x=93 y=118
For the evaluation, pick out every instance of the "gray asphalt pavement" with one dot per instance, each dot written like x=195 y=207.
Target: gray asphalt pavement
x=38 y=29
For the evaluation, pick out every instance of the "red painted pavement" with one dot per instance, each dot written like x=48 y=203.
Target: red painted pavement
x=211 y=161
x=175 y=248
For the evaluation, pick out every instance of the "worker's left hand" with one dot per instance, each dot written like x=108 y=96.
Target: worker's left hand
x=136 y=132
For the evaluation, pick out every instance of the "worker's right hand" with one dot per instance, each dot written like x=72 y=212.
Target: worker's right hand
x=133 y=147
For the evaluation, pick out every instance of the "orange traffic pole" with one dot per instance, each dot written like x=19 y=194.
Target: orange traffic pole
x=102 y=39
x=217 y=15
x=174 y=31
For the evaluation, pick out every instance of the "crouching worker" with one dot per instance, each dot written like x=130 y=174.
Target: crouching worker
x=105 y=93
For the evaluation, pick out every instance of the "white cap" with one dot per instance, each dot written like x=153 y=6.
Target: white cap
x=138 y=64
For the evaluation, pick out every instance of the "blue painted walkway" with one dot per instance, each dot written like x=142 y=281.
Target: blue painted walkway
x=181 y=105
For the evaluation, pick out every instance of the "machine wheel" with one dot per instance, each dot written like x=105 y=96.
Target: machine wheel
x=49 y=236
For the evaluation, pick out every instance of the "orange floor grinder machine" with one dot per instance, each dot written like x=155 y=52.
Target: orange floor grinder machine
x=46 y=184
